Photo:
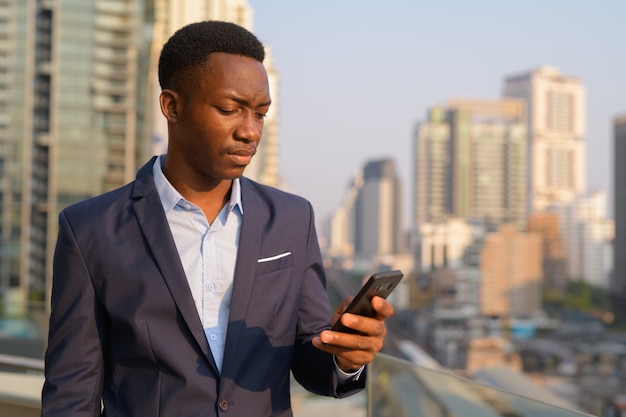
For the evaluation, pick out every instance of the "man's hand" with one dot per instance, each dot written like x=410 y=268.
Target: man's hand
x=355 y=350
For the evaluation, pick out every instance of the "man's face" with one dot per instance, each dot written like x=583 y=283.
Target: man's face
x=220 y=118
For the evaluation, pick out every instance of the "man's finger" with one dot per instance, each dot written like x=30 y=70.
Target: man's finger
x=383 y=308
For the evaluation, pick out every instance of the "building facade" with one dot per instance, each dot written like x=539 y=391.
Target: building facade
x=72 y=68
x=470 y=162
x=554 y=260
x=431 y=161
x=556 y=109
x=442 y=244
x=16 y=95
x=618 y=277
x=510 y=273
x=587 y=236
x=343 y=222
x=378 y=214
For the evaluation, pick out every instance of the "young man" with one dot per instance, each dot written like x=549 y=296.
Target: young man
x=194 y=291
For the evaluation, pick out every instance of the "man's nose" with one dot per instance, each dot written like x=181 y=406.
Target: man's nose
x=250 y=127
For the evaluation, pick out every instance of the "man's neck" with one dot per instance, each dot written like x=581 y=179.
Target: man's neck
x=209 y=197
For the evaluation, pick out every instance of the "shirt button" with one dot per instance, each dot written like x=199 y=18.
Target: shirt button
x=224 y=405
x=213 y=336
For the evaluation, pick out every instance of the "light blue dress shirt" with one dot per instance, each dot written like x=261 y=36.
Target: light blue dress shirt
x=208 y=253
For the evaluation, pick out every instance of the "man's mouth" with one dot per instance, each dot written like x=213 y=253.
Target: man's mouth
x=242 y=156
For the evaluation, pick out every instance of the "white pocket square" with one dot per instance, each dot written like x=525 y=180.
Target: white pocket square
x=273 y=258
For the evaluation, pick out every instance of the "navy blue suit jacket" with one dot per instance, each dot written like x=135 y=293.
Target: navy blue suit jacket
x=124 y=329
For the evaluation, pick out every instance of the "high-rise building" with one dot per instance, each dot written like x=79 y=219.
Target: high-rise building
x=67 y=122
x=16 y=63
x=378 y=217
x=510 y=273
x=547 y=225
x=488 y=160
x=431 y=165
x=470 y=162
x=343 y=222
x=556 y=129
x=79 y=113
x=587 y=236
x=618 y=277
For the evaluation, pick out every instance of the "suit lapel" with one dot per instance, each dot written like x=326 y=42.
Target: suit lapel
x=156 y=231
x=254 y=221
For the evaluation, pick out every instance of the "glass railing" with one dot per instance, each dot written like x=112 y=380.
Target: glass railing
x=396 y=388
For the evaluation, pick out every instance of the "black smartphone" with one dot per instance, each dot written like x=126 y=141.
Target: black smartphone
x=380 y=284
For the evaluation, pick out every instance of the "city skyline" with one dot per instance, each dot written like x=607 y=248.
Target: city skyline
x=357 y=77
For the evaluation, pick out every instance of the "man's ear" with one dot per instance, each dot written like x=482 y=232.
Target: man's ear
x=170 y=102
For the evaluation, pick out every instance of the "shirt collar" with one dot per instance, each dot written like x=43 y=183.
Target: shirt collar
x=170 y=197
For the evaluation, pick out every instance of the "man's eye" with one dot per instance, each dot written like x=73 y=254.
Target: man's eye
x=225 y=111
x=261 y=115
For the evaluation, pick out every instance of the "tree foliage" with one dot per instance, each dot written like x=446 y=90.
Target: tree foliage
x=579 y=295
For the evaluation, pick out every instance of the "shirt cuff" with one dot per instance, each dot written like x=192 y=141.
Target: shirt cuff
x=343 y=377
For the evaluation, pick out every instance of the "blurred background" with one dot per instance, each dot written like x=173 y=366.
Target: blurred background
x=476 y=146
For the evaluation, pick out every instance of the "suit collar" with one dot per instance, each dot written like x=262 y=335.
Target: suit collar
x=144 y=182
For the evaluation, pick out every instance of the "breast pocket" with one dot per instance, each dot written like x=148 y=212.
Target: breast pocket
x=275 y=262
x=273 y=288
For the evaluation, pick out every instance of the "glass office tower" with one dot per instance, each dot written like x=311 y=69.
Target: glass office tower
x=69 y=126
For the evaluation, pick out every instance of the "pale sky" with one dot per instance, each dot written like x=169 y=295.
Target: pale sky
x=356 y=75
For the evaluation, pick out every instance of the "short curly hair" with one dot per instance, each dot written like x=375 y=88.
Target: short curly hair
x=189 y=48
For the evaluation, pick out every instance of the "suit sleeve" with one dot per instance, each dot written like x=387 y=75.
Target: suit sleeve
x=315 y=369
x=74 y=356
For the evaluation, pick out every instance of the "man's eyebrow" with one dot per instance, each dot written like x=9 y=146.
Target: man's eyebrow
x=246 y=103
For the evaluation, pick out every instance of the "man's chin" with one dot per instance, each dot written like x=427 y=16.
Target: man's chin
x=231 y=174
